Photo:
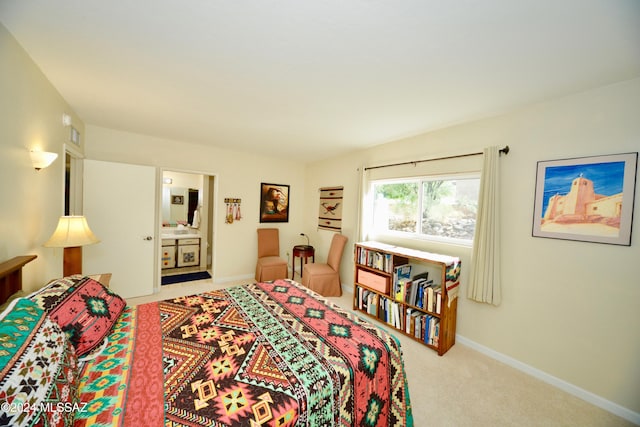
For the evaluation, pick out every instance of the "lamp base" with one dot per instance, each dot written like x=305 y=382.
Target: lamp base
x=72 y=261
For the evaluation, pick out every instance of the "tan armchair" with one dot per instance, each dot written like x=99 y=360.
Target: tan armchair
x=269 y=266
x=325 y=278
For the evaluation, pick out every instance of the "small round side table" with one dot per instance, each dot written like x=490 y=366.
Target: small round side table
x=303 y=252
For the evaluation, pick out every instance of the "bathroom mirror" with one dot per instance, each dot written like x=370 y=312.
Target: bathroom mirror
x=178 y=205
x=181 y=196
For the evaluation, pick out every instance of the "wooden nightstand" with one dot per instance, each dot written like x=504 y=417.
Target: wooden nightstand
x=303 y=252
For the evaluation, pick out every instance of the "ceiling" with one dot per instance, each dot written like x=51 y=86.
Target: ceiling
x=312 y=79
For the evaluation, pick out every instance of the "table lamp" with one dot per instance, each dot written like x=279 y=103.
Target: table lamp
x=72 y=233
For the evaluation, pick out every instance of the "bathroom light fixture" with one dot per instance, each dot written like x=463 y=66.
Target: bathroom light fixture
x=72 y=233
x=66 y=119
x=167 y=181
x=42 y=159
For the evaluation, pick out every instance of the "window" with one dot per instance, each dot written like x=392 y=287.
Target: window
x=438 y=208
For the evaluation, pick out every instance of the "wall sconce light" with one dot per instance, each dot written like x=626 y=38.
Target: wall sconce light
x=42 y=159
x=66 y=120
x=72 y=233
x=167 y=181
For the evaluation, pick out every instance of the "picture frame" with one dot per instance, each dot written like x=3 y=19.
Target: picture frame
x=74 y=136
x=177 y=200
x=587 y=199
x=274 y=202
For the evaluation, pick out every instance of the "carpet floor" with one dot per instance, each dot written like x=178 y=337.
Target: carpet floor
x=463 y=388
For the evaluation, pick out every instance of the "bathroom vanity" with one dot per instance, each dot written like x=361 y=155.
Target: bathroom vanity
x=180 y=250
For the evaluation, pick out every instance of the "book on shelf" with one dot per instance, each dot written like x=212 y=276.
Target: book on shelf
x=383 y=309
x=432 y=294
x=413 y=320
x=429 y=298
x=390 y=312
x=433 y=331
x=362 y=299
x=417 y=287
x=419 y=326
x=374 y=259
x=374 y=303
x=396 y=318
x=401 y=275
x=422 y=326
x=406 y=292
x=367 y=301
x=426 y=296
x=422 y=293
x=433 y=291
x=413 y=293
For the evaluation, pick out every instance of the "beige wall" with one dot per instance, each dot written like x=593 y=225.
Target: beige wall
x=31 y=201
x=570 y=309
x=238 y=175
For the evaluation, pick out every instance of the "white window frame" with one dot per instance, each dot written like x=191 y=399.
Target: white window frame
x=417 y=235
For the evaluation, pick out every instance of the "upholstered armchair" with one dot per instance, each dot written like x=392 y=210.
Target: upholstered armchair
x=325 y=278
x=269 y=266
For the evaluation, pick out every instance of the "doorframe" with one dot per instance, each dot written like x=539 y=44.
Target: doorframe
x=75 y=177
x=212 y=223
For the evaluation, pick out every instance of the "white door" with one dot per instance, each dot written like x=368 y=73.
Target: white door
x=119 y=204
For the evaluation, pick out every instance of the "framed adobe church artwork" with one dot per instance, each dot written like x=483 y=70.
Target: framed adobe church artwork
x=588 y=199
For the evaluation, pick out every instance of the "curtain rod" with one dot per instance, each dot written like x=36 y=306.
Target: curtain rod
x=504 y=150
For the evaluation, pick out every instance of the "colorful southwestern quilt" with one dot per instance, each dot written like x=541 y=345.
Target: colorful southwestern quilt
x=123 y=385
x=38 y=369
x=262 y=354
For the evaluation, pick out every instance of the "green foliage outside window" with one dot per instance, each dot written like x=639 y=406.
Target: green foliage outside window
x=441 y=208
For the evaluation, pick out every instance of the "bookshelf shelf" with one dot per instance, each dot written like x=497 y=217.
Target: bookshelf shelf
x=408 y=290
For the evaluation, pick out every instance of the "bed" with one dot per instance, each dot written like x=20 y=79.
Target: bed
x=260 y=354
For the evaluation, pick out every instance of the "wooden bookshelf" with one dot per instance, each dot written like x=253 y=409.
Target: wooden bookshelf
x=406 y=304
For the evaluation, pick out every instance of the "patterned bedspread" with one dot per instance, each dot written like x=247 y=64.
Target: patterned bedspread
x=264 y=354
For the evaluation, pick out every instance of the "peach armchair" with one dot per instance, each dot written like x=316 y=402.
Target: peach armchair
x=269 y=266
x=325 y=278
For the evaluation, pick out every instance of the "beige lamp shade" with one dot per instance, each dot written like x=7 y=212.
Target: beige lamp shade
x=71 y=231
x=42 y=159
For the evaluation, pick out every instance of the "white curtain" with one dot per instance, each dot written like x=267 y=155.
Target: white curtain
x=484 y=283
x=361 y=227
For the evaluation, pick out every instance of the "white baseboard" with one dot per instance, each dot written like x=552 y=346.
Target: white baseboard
x=583 y=394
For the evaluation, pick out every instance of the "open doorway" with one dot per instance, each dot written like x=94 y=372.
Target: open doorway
x=186 y=226
x=72 y=181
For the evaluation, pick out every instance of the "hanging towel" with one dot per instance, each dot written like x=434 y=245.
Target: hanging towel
x=196 y=219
